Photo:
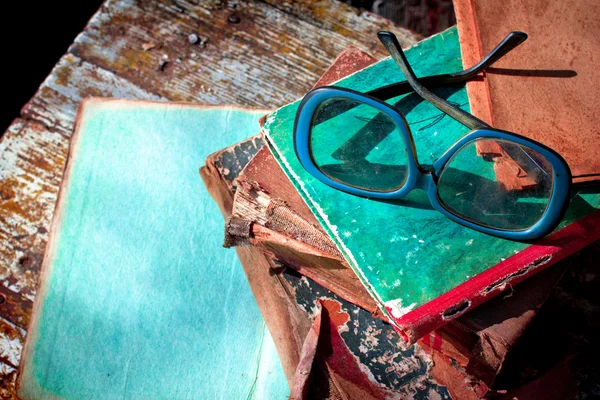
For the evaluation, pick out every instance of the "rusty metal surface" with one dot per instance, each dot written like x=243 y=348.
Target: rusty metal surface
x=140 y=50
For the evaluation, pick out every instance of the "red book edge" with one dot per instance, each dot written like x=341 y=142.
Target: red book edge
x=486 y=285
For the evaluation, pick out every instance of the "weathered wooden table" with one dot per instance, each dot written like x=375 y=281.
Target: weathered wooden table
x=261 y=53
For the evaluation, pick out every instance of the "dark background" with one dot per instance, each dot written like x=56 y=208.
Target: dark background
x=34 y=35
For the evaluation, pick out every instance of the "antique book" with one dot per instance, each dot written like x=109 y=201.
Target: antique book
x=358 y=355
x=478 y=341
x=137 y=298
x=549 y=89
x=423 y=270
x=466 y=355
x=367 y=357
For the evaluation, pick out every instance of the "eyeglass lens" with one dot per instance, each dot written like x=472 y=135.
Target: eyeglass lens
x=356 y=144
x=497 y=183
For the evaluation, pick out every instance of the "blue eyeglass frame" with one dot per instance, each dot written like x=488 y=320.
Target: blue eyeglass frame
x=418 y=177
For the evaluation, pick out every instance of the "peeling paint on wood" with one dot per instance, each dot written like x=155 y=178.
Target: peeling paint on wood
x=31 y=164
x=355 y=24
x=15 y=308
x=72 y=80
x=32 y=160
x=11 y=345
x=268 y=59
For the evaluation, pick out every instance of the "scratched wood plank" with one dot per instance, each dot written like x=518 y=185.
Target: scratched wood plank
x=72 y=80
x=267 y=59
x=32 y=160
x=347 y=21
x=11 y=345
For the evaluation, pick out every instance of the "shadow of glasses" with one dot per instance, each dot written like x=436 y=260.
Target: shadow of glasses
x=542 y=73
x=368 y=137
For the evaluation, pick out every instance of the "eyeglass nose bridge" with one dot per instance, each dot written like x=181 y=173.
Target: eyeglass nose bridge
x=425 y=180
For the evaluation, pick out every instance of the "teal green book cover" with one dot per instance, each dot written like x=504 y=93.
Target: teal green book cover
x=138 y=299
x=421 y=267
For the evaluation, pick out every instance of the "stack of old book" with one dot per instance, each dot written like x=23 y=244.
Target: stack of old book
x=362 y=299
x=369 y=299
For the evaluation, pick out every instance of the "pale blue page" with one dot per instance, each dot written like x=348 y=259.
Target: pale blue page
x=141 y=300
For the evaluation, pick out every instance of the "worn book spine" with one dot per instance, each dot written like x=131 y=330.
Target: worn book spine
x=282 y=230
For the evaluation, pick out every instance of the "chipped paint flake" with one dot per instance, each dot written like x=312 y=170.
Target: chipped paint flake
x=10 y=349
x=397 y=310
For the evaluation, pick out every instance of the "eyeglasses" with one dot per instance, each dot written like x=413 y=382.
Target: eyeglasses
x=493 y=181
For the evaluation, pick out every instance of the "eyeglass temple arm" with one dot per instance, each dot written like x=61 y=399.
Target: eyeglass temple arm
x=511 y=41
x=391 y=43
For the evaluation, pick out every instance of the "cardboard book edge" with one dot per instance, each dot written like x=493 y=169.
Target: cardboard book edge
x=478 y=91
